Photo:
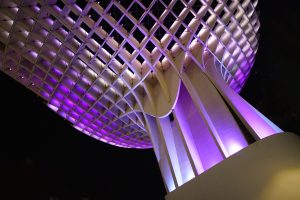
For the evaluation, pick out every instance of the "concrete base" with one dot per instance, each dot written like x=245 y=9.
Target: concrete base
x=266 y=170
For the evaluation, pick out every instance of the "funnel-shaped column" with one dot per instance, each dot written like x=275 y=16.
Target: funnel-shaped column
x=205 y=127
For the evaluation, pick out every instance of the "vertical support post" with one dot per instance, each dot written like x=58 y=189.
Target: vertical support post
x=204 y=131
x=214 y=111
x=256 y=123
x=161 y=153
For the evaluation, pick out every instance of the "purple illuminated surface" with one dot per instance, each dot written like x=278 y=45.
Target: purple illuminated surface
x=118 y=83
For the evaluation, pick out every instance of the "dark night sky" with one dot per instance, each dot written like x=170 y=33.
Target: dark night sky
x=273 y=86
x=43 y=157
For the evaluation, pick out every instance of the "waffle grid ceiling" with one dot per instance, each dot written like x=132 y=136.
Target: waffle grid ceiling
x=94 y=63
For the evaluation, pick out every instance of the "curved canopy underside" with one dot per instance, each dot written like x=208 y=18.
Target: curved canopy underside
x=105 y=65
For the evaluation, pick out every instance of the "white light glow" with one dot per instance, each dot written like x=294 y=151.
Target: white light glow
x=52 y=107
x=234 y=147
x=132 y=75
x=103 y=82
x=120 y=81
x=78 y=128
x=92 y=73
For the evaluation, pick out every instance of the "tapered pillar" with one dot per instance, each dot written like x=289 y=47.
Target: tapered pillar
x=256 y=123
x=209 y=123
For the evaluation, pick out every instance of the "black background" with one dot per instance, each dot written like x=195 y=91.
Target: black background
x=43 y=157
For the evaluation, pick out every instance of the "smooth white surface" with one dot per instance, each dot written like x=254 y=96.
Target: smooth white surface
x=266 y=170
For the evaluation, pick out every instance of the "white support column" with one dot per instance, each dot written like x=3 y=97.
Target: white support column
x=187 y=139
x=165 y=130
x=256 y=123
x=162 y=154
x=214 y=111
x=202 y=134
x=177 y=152
x=200 y=143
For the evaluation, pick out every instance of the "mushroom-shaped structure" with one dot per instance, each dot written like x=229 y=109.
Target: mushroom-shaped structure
x=142 y=74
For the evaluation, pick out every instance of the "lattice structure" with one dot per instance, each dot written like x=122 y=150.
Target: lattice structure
x=105 y=65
